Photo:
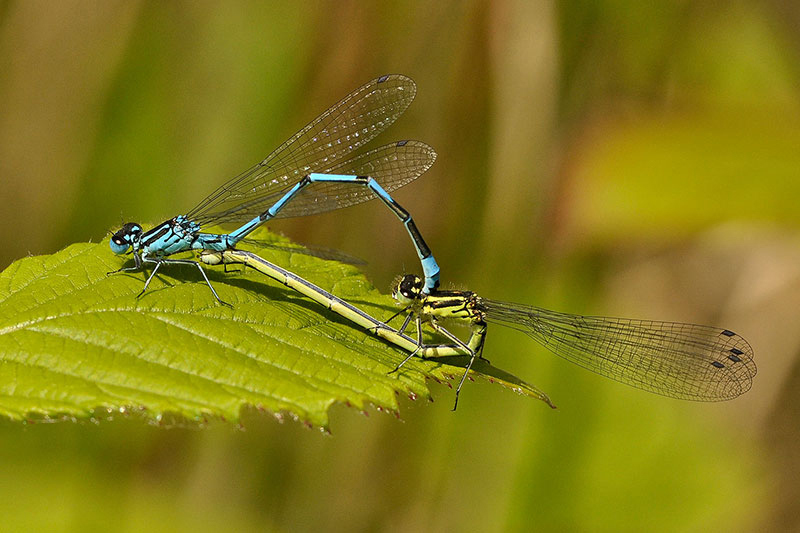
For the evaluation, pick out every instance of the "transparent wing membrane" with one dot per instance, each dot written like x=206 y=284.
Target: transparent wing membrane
x=685 y=361
x=393 y=166
x=318 y=147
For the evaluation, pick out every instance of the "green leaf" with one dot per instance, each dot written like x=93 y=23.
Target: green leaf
x=76 y=342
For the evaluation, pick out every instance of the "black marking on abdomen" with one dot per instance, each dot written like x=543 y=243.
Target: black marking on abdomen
x=418 y=240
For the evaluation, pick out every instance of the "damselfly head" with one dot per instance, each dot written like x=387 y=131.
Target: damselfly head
x=407 y=289
x=125 y=237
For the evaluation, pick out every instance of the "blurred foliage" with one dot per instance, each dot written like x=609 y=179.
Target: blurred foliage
x=610 y=157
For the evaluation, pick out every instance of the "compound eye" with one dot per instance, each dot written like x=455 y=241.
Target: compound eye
x=118 y=245
x=122 y=239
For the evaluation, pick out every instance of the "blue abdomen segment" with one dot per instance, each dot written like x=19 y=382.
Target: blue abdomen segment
x=431 y=269
x=429 y=265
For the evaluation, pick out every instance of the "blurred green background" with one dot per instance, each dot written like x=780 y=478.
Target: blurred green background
x=599 y=157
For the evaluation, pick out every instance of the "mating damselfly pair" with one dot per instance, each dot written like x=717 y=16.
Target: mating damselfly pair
x=317 y=170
